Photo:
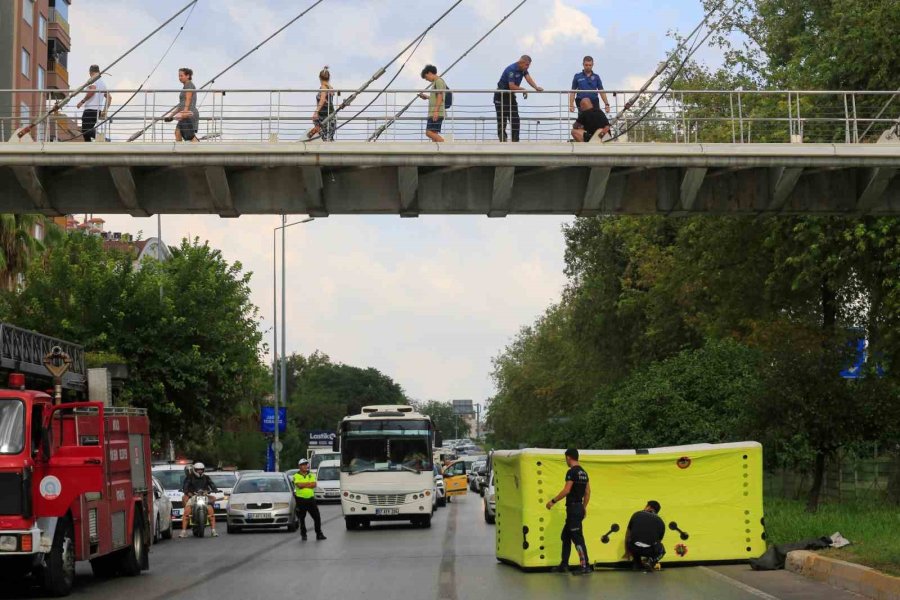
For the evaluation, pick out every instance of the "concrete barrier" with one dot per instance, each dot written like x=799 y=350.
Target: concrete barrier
x=842 y=574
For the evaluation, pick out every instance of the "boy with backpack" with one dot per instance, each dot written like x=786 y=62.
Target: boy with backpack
x=438 y=101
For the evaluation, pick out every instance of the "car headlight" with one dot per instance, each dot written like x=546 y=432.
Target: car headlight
x=319 y=490
x=236 y=506
x=281 y=505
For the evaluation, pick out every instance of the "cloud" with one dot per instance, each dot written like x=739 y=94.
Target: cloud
x=565 y=23
x=429 y=301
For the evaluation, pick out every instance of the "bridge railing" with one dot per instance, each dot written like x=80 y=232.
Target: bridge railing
x=285 y=116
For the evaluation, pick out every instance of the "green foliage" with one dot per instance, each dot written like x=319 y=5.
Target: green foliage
x=869 y=523
x=696 y=396
x=321 y=393
x=186 y=328
x=442 y=416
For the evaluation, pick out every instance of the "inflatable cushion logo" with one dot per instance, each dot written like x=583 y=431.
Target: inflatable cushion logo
x=50 y=488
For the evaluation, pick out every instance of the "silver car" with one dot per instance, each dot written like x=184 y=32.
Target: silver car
x=262 y=501
x=490 y=501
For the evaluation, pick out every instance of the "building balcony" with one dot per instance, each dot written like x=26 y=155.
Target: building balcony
x=58 y=29
x=57 y=76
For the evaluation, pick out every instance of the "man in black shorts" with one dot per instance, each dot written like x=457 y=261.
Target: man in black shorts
x=577 y=493
x=643 y=539
x=590 y=121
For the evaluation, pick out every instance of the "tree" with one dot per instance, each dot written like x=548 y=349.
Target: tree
x=442 y=416
x=18 y=244
x=192 y=355
x=325 y=392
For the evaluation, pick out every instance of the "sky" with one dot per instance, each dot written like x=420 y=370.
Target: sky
x=428 y=301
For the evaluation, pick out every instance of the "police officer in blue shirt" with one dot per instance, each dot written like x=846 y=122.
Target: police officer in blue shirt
x=588 y=84
x=505 y=98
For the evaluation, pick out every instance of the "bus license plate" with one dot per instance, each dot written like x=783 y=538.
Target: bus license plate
x=386 y=511
x=259 y=516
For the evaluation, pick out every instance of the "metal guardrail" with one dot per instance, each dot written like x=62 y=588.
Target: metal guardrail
x=24 y=351
x=679 y=116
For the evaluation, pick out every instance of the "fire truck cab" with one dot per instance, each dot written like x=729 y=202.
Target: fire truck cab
x=74 y=485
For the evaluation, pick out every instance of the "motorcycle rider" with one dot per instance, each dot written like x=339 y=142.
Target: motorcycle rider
x=197 y=482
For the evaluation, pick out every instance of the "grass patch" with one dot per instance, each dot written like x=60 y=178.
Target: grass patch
x=872 y=526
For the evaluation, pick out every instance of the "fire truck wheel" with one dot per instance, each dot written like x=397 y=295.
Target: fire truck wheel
x=59 y=572
x=132 y=556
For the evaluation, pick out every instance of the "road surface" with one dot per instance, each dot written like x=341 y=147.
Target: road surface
x=453 y=560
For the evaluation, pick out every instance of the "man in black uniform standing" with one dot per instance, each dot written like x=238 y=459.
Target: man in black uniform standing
x=644 y=536
x=577 y=493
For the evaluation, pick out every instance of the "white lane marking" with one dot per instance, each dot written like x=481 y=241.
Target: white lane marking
x=747 y=588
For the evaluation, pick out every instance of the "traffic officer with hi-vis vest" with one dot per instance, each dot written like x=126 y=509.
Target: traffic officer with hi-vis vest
x=305 y=492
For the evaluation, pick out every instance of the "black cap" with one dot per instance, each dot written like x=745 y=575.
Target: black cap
x=654 y=505
x=94 y=69
x=572 y=453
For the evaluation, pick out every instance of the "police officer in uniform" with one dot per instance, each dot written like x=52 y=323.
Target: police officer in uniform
x=505 y=104
x=577 y=493
x=305 y=491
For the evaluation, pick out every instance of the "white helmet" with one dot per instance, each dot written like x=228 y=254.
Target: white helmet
x=302 y=462
x=199 y=466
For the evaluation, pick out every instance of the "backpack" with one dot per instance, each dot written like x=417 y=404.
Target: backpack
x=448 y=96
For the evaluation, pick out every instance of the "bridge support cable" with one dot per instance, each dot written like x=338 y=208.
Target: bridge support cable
x=381 y=71
x=400 y=113
x=663 y=66
x=108 y=119
x=206 y=85
x=61 y=103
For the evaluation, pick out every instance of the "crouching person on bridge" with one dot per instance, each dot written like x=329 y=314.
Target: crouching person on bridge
x=305 y=492
x=643 y=539
x=577 y=493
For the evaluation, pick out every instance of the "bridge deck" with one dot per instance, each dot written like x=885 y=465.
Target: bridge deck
x=409 y=178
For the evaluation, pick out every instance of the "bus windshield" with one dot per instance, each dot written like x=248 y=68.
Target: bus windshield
x=12 y=426
x=386 y=445
x=385 y=454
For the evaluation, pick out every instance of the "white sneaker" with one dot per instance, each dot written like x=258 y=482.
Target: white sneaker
x=183 y=533
x=214 y=533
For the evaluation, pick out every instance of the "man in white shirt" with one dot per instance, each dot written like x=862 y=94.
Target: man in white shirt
x=95 y=103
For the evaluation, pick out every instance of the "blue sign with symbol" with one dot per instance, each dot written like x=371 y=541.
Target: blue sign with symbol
x=267 y=419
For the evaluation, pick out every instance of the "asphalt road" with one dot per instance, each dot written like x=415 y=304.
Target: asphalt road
x=453 y=560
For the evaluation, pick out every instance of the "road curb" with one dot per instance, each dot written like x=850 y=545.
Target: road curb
x=842 y=574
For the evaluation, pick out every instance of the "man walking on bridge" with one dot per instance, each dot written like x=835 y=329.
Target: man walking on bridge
x=305 y=492
x=577 y=493
x=505 y=98
x=95 y=103
x=437 y=104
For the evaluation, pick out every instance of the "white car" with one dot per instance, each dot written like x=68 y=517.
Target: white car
x=440 y=493
x=224 y=481
x=162 y=513
x=171 y=477
x=328 y=481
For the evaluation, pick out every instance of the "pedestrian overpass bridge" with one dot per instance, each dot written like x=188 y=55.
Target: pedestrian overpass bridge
x=690 y=156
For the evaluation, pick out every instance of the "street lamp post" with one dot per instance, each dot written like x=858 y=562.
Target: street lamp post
x=275 y=365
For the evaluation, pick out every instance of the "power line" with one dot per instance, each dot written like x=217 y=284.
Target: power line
x=156 y=120
x=141 y=87
x=400 y=113
x=27 y=129
x=381 y=71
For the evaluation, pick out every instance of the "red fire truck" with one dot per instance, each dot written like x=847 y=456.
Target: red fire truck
x=74 y=476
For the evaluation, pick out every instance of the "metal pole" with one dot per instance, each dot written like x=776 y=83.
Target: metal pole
x=275 y=323
x=159 y=249
x=283 y=336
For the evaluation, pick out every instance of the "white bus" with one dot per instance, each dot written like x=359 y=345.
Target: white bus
x=386 y=466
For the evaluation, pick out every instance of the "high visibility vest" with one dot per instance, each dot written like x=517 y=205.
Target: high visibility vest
x=304 y=493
